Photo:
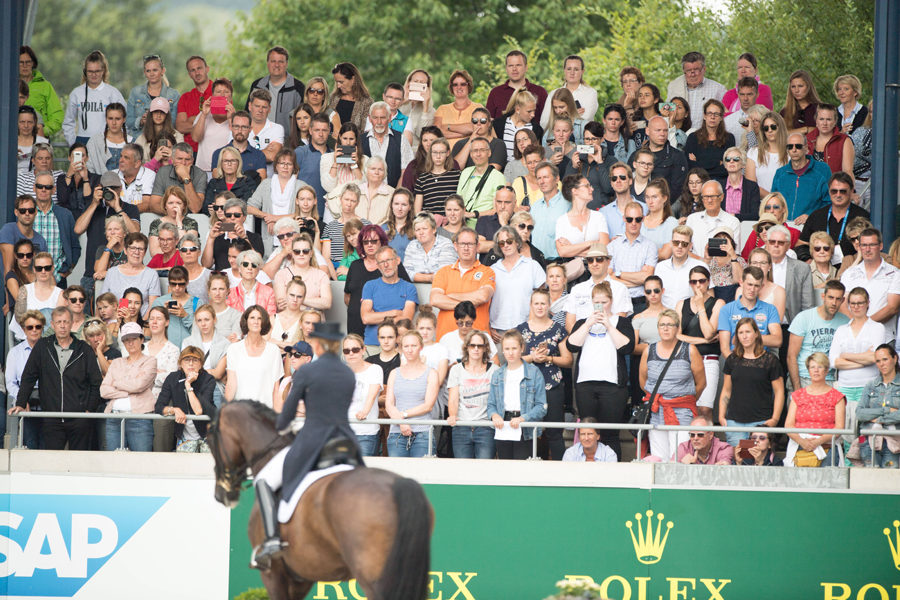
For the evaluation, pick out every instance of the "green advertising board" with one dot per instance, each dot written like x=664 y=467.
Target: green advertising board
x=502 y=542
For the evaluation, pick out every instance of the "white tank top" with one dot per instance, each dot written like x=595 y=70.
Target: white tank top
x=33 y=303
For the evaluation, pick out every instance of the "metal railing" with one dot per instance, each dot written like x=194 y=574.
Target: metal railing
x=431 y=423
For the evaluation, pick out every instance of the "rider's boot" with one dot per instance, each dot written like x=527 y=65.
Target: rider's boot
x=271 y=546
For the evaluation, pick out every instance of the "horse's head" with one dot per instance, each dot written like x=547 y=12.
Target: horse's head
x=230 y=466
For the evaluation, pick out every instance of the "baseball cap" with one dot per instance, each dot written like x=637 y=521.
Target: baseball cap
x=159 y=103
x=110 y=179
x=302 y=348
x=598 y=249
x=129 y=330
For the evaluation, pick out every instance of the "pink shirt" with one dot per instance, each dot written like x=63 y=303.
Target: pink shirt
x=718 y=451
x=733 y=103
x=733 y=197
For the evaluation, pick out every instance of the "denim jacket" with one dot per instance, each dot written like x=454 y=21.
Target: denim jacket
x=876 y=402
x=139 y=103
x=532 y=396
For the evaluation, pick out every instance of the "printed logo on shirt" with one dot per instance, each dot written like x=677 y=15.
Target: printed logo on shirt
x=478 y=275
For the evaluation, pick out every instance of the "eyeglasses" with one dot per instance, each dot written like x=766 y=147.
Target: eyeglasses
x=464 y=323
x=234 y=215
x=466 y=244
x=699 y=281
x=867 y=246
x=627 y=81
x=796 y=146
x=835 y=191
x=317 y=91
x=680 y=243
x=353 y=350
x=33 y=327
x=861 y=303
x=24 y=254
x=303 y=251
x=371 y=241
x=590 y=140
x=652 y=291
x=43 y=186
x=502 y=243
x=480 y=121
x=760 y=438
x=525 y=227
x=249 y=265
x=190 y=249
x=822 y=248
x=618 y=177
x=633 y=219
x=772 y=127
x=598 y=259
x=136 y=249
x=76 y=300
x=697 y=434
x=27 y=211
x=666 y=325
x=732 y=159
x=218 y=207
x=285 y=164
x=711 y=197
x=40 y=268
x=177 y=283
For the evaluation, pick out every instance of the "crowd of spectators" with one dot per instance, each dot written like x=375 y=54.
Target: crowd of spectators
x=700 y=251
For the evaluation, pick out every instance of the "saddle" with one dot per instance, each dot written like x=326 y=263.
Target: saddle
x=337 y=451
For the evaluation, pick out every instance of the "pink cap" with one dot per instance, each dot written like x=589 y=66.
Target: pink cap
x=159 y=103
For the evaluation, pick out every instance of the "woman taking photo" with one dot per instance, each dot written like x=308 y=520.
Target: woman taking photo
x=706 y=147
x=770 y=291
x=350 y=99
x=158 y=126
x=286 y=329
x=317 y=95
x=816 y=406
x=516 y=168
x=419 y=113
x=21 y=273
x=40 y=294
x=659 y=222
x=128 y=388
x=412 y=390
x=388 y=357
x=828 y=144
x=399 y=226
x=189 y=391
x=673 y=397
x=516 y=278
x=603 y=341
x=469 y=387
x=213 y=345
x=306 y=214
x=298 y=261
x=227 y=318
x=28 y=137
x=725 y=274
x=520 y=115
x=879 y=407
x=799 y=110
x=375 y=193
x=333 y=233
x=544 y=348
x=249 y=292
x=336 y=169
x=483 y=127
x=455 y=119
x=253 y=364
x=274 y=197
x=438 y=181
x=741 y=194
x=689 y=202
x=113 y=254
x=298 y=135
x=616 y=135
x=560 y=149
x=365 y=395
x=517 y=395
x=105 y=148
x=176 y=210
x=753 y=387
x=129 y=311
x=140 y=100
x=771 y=153
x=580 y=227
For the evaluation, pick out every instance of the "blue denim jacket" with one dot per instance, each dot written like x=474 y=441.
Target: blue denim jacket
x=139 y=103
x=876 y=402
x=532 y=396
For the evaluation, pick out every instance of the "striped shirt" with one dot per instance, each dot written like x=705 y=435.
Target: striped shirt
x=47 y=225
x=509 y=136
x=334 y=231
x=435 y=189
x=630 y=257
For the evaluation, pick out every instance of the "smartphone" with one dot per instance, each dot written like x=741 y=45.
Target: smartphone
x=77 y=157
x=744 y=446
x=217 y=105
x=584 y=149
x=666 y=106
x=716 y=247
x=577 y=104
x=557 y=149
x=226 y=226
x=172 y=304
x=123 y=303
x=346 y=156
x=743 y=121
x=417 y=91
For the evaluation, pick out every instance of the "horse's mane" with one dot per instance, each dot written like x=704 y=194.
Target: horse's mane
x=259 y=410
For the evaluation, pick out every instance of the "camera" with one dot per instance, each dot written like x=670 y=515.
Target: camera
x=309 y=226
x=108 y=195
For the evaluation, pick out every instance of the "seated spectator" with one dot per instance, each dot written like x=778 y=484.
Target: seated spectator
x=399 y=225
x=658 y=223
x=214 y=345
x=770 y=154
x=881 y=391
x=349 y=200
x=712 y=218
x=464 y=314
x=854 y=228
x=760 y=454
x=648 y=101
x=517 y=395
x=249 y=292
x=852 y=352
x=387 y=297
x=128 y=388
x=189 y=391
x=704 y=448
x=388 y=356
x=33 y=323
x=157 y=125
x=297 y=130
x=226 y=233
x=817 y=406
x=137 y=180
x=803 y=181
x=253 y=160
x=469 y=386
x=275 y=198
x=227 y=318
x=254 y=365
x=381 y=140
x=580 y=305
x=588 y=447
x=231 y=176
x=40 y=93
x=775 y=205
x=834 y=218
x=233 y=272
x=76 y=186
x=286 y=329
x=298 y=260
x=679 y=123
x=676 y=285
x=454 y=118
x=212 y=130
x=306 y=214
x=181 y=173
x=748 y=304
x=265 y=134
x=522 y=140
x=180 y=304
x=417 y=165
x=429 y=251
x=41 y=160
x=454 y=220
x=482 y=126
x=741 y=194
x=668 y=162
x=375 y=193
x=189 y=250
x=559 y=148
x=56 y=224
x=412 y=390
x=364 y=404
x=439 y=179
x=167 y=255
x=579 y=228
x=593 y=166
x=351 y=250
x=737 y=116
x=690 y=202
x=488 y=225
x=85 y=111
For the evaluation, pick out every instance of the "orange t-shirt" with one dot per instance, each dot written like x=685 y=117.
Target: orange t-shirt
x=452 y=281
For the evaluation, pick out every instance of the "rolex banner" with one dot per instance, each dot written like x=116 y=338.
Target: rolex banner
x=496 y=542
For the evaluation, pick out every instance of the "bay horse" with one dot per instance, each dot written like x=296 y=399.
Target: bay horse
x=369 y=524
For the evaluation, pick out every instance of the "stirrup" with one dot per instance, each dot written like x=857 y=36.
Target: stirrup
x=265 y=553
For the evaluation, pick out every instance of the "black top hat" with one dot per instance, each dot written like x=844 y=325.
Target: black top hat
x=328 y=331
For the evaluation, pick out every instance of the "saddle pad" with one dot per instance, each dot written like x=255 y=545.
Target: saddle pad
x=286 y=507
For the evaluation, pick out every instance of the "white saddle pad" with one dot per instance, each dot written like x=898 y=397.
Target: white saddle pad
x=287 y=506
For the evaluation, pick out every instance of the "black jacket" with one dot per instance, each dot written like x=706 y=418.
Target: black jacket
x=671 y=164
x=243 y=188
x=173 y=394
x=75 y=389
x=749 y=200
x=625 y=328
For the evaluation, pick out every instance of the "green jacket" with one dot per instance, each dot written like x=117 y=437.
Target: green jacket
x=43 y=98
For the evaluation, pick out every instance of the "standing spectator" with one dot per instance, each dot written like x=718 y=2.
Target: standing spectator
x=41 y=94
x=821 y=266
x=418 y=114
x=603 y=340
x=516 y=69
x=547 y=209
x=227 y=318
x=309 y=157
x=137 y=180
x=753 y=387
x=817 y=406
x=180 y=304
x=265 y=135
x=86 y=110
x=62 y=367
x=704 y=448
x=412 y=390
x=399 y=224
x=33 y=322
x=27 y=136
x=519 y=114
x=712 y=218
x=516 y=278
x=41 y=160
x=706 y=146
x=76 y=186
x=253 y=160
x=592 y=165
x=879 y=279
x=677 y=286
x=695 y=86
x=365 y=395
x=182 y=173
x=852 y=352
x=580 y=304
x=615 y=134
x=573 y=76
x=773 y=211
x=349 y=200
x=215 y=251
x=482 y=126
x=133 y=273
x=827 y=143
x=764 y=315
x=212 y=130
x=813 y=331
x=803 y=181
x=523 y=140
x=881 y=390
x=43 y=294
x=316 y=95
x=297 y=134
x=833 y=219
x=167 y=255
x=748 y=92
x=669 y=162
x=140 y=100
x=799 y=111
x=213 y=345
x=454 y=119
x=286 y=91
x=191 y=102
x=659 y=223
x=466 y=279
x=428 y=252
x=166 y=354
x=56 y=225
x=23 y=229
x=771 y=153
x=579 y=228
x=633 y=256
x=253 y=364
x=275 y=197
x=726 y=270
x=452 y=341
x=128 y=388
x=388 y=297
x=469 y=384
x=383 y=141
x=388 y=357
x=478 y=183
x=848 y=89
x=350 y=99
x=620 y=176
x=22 y=271
x=189 y=391
x=158 y=135
x=747 y=68
x=334 y=169
x=439 y=179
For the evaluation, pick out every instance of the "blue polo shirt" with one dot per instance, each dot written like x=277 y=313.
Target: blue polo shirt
x=762 y=312
x=252 y=158
x=386 y=296
x=545 y=216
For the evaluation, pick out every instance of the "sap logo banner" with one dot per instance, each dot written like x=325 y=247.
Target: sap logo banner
x=51 y=545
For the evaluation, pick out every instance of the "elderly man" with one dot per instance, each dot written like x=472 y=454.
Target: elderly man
x=704 y=448
x=57 y=226
x=812 y=331
x=879 y=278
x=265 y=135
x=547 y=208
x=833 y=219
x=478 y=183
x=393 y=96
x=137 y=180
x=620 y=177
x=428 y=252
x=181 y=173
x=252 y=158
x=383 y=141
x=703 y=223
x=488 y=225
x=674 y=271
x=224 y=233
x=803 y=181
x=516 y=69
x=286 y=91
x=66 y=373
x=633 y=256
x=580 y=304
x=749 y=305
x=748 y=92
x=387 y=297
x=694 y=86
x=191 y=103
x=589 y=448
x=22 y=229
x=785 y=269
x=669 y=162
x=466 y=279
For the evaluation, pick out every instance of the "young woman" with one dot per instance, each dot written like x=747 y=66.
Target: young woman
x=579 y=227
x=298 y=135
x=306 y=213
x=545 y=349
x=21 y=273
x=128 y=388
x=817 y=406
x=189 y=391
x=375 y=193
x=519 y=115
x=526 y=186
x=286 y=324
x=679 y=122
x=227 y=318
x=439 y=180
x=853 y=348
x=40 y=294
x=659 y=222
x=523 y=139
x=317 y=95
x=399 y=225
x=213 y=344
x=753 y=387
x=616 y=135
x=417 y=164
x=689 y=202
x=454 y=209
x=166 y=354
x=105 y=148
x=675 y=402
x=563 y=105
x=724 y=272
x=879 y=406
x=198 y=275
x=434 y=354
x=298 y=260
x=706 y=147
x=365 y=395
x=419 y=113
x=334 y=173
x=388 y=357
x=28 y=137
x=643 y=168
x=469 y=385
x=558 y=289
x=352 y=248
x=308 y=320
x=175 y=205
x=799 y=111
x=771 y=153
x=249 y=291
x=645 y=323
x=648 y=99
x=128 y=311
x=253 y=364
x=158 y=134
x=350 y=99
x=770 y=291
x=517 y=395
x=349 y=199
x=559 y=147
x=746 y=67
x=775 y=207
x=140 y=101
x=412 y=390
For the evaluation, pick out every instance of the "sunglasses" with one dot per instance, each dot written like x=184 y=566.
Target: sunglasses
x=835 y=191
x=480 y=121
x=284 y=236
x=696 y=434
x=318 y=91
x=766 y=226
x=732 y=159
x=76 y=300
x=599 y=259
x=464 y=323
x=502 y=243
x=633 y=219
x=759 y=438
x=177 y=283
x=618 y=177
x=218 y=207
x=246 y=264
x=33 y=327
x=769 y=127
x=371 y=241
x=652 y=291
x=480 y=346
x=853 y=238
x=796 y=146
x=190 y=249
x=303 y=251
x=39 y=268
x=525 y=227
x=778 y=242
x=699 y=281
x=27 y=211
x=822 y=248
x=234 y=215
x=680 y=243
x=353 y=350
x=43 y=186
x=24 y=254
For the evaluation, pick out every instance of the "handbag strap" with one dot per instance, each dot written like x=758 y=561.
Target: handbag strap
x=526 y=201
x=665 y=368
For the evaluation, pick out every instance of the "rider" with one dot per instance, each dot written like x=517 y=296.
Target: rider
x=326 y=387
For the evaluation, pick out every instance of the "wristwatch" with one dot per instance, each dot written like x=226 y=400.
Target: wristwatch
x=186 y=180
x=188 y=389
x=404 y=414
x=477 y=214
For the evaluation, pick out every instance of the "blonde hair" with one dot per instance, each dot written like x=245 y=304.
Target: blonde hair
x=521 y=97
x=773 y=196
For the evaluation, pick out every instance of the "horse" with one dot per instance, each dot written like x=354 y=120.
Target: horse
x=369 y=524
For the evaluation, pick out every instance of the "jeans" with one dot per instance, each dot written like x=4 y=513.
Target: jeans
x=31 y=432
x=884 y=458
x=368 y=444
x=733 y=437
x=411 y=446
x=473 y=442
x=138 y=434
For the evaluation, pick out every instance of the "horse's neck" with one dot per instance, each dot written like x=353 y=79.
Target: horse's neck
x=260 y=442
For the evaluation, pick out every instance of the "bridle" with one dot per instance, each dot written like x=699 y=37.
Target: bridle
x=230 y=476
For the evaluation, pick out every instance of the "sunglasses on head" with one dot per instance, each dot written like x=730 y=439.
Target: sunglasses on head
x=505 y=187
x=796 y=146
x=24 y=254
x=27 y=211
x=353 y=350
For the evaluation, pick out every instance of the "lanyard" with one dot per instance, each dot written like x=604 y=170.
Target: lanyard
x=843 y=225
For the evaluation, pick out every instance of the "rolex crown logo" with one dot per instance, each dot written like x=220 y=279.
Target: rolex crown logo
x=648 y=547
x=894 y=543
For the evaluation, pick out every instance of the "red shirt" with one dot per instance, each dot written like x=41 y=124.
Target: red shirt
x=816 y=412
x=190 y=103
x=499 y=97
x=157 y=261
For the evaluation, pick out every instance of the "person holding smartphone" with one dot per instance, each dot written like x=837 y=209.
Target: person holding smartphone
x=180 y=304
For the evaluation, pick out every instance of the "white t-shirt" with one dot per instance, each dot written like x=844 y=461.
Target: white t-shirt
x=580 y=301
x=885 y=280
x=140 y=187
x=474 y=390
x=870 y=337
x=512 y=400
x=676 y=281
x=364 y=380
x=598 y=360
x=453 y=343
x=765 y=174
x=595 y=226
x=256 y=375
